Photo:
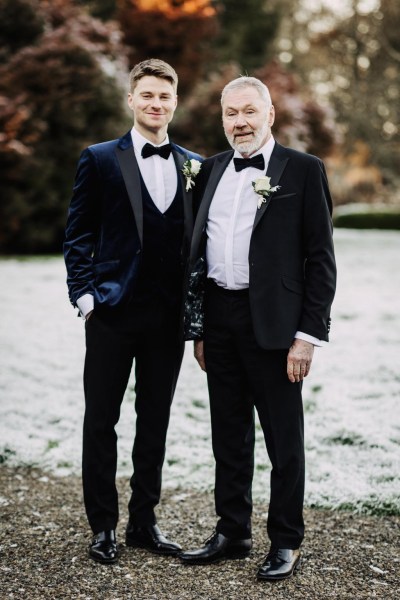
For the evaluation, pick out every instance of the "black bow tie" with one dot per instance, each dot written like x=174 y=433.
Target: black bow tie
x=256 y=161
x=164 y=151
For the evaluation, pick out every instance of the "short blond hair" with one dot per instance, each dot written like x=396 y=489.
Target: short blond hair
x=155 y=67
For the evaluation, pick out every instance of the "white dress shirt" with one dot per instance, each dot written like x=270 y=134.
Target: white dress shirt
x=159 y=175
x=230 y=224
x=160 y=178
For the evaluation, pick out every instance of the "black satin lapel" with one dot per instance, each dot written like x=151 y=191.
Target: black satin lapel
x=179 y=160
x=130 y=172
x=187 y=195
x=276 y=166
x=201 y=219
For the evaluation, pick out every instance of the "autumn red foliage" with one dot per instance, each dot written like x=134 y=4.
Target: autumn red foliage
x=54 y=99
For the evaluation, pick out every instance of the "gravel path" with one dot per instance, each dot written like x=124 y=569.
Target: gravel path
x=44 y=538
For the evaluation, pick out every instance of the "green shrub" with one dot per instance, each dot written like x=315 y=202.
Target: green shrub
x=370 y=219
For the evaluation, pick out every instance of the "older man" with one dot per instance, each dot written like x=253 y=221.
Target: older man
x=263 y=241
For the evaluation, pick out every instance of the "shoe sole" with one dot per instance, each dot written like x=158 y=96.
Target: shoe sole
x=238 y=556
x=104 y=562
x=132 y=544
x=293 y=572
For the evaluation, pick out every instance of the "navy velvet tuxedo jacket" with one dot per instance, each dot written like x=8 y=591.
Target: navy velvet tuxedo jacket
x=291 y=256
x=104 y=233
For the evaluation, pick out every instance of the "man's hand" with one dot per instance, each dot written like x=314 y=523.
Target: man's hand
x=299 y=360
x=198 y=350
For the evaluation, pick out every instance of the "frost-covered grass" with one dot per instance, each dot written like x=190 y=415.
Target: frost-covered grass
x=351 y=398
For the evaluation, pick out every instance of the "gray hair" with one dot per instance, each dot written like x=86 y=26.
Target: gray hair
x=243 y=82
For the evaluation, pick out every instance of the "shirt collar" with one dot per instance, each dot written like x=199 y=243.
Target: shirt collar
x=265 y=150
x=139 y=140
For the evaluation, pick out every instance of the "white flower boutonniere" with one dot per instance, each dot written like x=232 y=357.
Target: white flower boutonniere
x=262 y=186
x=190 y=169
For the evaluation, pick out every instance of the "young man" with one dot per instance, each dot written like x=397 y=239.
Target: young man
x=269 y=284
x=127 y=238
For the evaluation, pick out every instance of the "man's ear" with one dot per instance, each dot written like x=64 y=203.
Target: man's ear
x=271 y=116
x=130 y=100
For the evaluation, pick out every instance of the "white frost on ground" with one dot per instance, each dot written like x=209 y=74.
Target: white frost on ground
x=351 y=398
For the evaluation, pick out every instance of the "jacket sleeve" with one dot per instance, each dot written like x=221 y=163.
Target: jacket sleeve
x=320 y=268
x=82 y=228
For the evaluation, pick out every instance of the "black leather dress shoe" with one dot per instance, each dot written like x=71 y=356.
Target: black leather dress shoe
x=217 y=547
x=279 y=564
x=150 y=538
x=104 y=547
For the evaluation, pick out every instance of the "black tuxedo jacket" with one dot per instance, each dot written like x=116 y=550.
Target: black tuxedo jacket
x=104 y=233
x=291 y=255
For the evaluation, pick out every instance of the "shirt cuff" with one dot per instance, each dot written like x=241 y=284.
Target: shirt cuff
x=85 y=304
x=310 y=338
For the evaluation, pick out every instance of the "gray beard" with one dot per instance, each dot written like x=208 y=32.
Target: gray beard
x=249 y=147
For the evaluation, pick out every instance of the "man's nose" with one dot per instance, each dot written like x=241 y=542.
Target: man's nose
x=240 y=121
x=156 y=102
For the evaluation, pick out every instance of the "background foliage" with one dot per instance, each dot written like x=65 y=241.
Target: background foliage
x=333 y=76
x=56 y=97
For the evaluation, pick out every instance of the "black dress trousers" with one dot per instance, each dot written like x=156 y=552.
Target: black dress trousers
x=149 y=335
x=241 y=375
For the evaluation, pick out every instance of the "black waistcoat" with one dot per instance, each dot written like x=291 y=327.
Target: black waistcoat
x=161 y=272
